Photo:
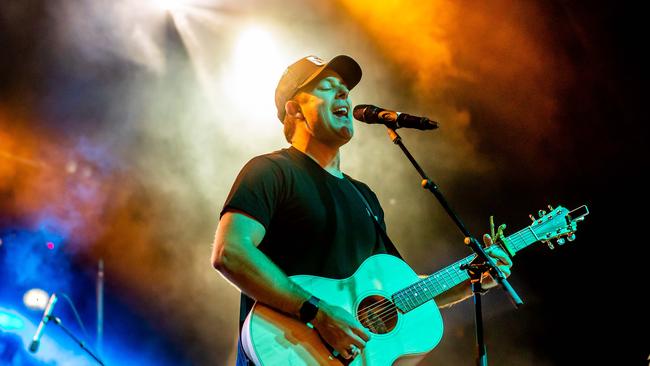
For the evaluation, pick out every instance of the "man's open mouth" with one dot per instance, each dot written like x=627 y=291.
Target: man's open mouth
x=341 y=111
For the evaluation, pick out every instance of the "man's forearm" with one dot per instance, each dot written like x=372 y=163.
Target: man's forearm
x=454 y=295
x=257 y=276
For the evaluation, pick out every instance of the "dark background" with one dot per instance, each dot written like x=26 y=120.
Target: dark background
x=585 y=302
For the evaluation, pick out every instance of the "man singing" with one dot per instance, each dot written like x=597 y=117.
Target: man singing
x=293 y=211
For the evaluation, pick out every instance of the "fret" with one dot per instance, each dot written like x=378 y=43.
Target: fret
x=515 y=240
x=402 y=300
x=406 y=301
x=423 y=293
x=528 y=237
x=522 y=239
x=532 y=232
x=426 y=287
x=445 y=279
x=417 y=293
x=420 y=291
x=411 y=298
x=399 y=300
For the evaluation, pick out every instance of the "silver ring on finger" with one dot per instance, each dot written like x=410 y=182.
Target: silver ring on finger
x=353 y=350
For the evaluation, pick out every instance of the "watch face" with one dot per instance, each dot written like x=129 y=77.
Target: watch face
x=309 y=309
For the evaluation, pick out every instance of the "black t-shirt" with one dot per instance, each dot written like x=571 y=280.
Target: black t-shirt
x=316 y=224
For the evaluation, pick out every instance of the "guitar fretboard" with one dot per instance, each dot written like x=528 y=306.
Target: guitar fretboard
x=426 y=289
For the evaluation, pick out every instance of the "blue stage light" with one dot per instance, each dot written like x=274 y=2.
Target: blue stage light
x=9 y=321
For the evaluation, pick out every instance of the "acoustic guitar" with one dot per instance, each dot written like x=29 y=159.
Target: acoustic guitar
x=389 y=299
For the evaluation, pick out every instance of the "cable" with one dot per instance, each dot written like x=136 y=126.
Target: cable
x=76 y=314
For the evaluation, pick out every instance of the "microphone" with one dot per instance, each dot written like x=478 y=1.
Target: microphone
x=371 y=114
x=36 y=341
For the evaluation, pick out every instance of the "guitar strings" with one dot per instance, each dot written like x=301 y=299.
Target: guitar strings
x=389 y=310
x=383 y=315
x=366 y=310
x=445 y=275
x=516 y=238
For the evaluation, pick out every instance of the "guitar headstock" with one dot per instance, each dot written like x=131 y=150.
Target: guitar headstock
x=559 y=223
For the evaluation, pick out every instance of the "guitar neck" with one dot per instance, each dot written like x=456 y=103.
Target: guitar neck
x=426 y=289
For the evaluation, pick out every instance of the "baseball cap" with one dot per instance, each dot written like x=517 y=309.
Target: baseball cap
x=301 y=72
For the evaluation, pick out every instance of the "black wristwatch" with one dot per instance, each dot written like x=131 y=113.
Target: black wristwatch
x=309 y=309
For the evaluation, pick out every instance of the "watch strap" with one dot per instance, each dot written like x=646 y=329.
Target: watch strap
x=309 y=309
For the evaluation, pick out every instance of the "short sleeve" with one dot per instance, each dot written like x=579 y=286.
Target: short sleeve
x=257 y=190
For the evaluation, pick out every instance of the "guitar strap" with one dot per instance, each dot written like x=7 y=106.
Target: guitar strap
x=388 y=244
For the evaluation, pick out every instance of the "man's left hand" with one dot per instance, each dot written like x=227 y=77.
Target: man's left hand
x=504 y=263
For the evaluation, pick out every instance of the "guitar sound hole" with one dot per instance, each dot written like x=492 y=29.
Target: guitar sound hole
x=378 y=314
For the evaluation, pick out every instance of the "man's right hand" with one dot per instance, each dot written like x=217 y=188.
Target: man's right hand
x=340 y=330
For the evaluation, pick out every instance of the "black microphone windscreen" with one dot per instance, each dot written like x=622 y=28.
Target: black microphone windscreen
x=33 y=347
x=359 y=112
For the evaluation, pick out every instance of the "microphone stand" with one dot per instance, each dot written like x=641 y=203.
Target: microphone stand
x=81 y=343
x=480 y=264
x=99 y=292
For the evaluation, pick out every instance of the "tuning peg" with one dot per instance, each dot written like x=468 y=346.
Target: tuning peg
x=561 y=241
x=541 y=213
x=571 y=237
x=550 y=245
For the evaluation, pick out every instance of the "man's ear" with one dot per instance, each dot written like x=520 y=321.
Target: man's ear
x=293 y=109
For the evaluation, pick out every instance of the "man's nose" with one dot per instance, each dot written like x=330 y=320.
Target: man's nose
x=342 y=92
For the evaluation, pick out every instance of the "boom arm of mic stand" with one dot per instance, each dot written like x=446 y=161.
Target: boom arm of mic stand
x=81 y=343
